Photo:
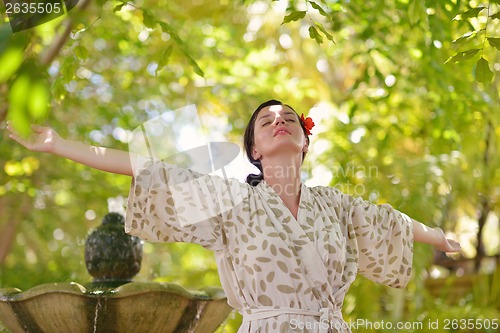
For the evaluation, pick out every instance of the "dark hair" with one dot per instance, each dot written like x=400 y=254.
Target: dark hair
x=254 y=179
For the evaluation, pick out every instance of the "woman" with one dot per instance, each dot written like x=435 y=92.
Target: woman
x=286 y=253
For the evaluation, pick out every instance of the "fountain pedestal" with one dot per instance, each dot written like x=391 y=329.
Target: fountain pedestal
x=112 y=303
x=133 y=307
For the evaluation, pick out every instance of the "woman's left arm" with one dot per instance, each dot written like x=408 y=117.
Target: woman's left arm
x=435 y=237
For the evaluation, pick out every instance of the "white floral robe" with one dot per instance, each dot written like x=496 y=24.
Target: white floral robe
x=282 y=274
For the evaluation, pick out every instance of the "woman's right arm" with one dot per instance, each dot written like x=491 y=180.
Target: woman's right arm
x=45 y=139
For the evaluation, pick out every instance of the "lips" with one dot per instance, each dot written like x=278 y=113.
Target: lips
x=281 y=130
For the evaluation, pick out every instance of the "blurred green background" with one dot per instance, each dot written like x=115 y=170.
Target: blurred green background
x=405 y=95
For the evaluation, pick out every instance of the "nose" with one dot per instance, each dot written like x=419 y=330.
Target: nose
x=279 y=120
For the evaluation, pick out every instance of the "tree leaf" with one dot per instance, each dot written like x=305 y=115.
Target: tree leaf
x=463 y=55
x=464 y=37
x=318 y=8
x=11 y=59
x=323 y=30
x=313 y=33
x=148 y=19
x=496 y=16
x=182 y=46
x=494 y=42
x=119 y=7
x=39 y=102
x=172 y=32
x=165 y=56
x=294 y=16
x=416 y=11
x=197 y=69
x=81 y=52
x=483 y=72
x=68 y=70
x=18 y=111
x=468 y=14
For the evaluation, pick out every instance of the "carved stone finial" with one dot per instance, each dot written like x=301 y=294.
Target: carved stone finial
x=111 y=255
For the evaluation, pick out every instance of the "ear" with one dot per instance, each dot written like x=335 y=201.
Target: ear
x=255 y=154
x=306 y=146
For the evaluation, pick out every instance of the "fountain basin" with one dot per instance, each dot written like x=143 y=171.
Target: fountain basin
x=132 y=307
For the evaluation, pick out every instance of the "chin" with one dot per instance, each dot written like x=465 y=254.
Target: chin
x=284 y=146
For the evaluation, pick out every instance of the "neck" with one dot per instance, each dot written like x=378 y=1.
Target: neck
x=282 y=173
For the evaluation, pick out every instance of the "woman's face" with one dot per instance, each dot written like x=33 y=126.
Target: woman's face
x=277 y=129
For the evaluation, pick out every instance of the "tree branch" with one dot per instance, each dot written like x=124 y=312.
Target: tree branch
x=8 y=233
x=49 y=54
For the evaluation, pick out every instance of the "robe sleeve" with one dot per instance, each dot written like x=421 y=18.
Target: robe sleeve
x=385 y=242
x=170 y=204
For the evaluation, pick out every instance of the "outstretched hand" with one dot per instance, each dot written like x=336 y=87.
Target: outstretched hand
x=446 y=244
x=42 y=138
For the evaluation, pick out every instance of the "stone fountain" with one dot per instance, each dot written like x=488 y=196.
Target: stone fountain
x=112 y=302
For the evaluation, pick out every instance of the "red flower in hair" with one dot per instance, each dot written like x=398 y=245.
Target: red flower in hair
x=308 y=123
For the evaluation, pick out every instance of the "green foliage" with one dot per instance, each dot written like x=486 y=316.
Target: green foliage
x=477 y=311
x=294 y=16
x=396 y=121
x=483 y=72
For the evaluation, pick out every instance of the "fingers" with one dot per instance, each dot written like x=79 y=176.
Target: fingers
x=18 y=139
x=34 y=127
x=15 y=136
x=453 y=246
x=447 y=244
x=456 y=246
x=11 y=130
x=37 y=128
